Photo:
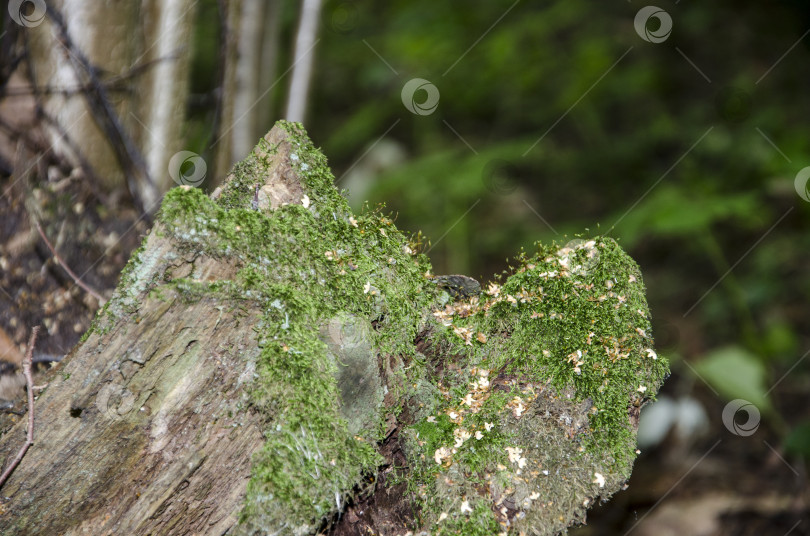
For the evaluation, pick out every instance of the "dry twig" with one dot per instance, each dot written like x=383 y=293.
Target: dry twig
x=29 y=381
x=87 y=288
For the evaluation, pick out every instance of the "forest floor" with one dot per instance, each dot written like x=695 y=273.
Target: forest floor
x=93 y=239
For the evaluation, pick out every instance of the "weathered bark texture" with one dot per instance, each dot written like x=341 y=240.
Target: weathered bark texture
x=273 y=364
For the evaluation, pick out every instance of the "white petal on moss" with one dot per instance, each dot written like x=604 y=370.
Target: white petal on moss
x=305 y=201
x=514 y=453
x=441 y=454
x=599 y=479
x=465 y=507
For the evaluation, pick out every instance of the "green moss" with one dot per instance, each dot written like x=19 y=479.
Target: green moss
x=478 y=521
x=569 y=329
x=587 y=329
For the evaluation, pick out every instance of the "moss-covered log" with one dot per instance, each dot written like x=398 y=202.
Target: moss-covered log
x=272 y=363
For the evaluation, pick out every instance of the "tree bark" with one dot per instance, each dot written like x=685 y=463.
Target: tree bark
x=271 y=363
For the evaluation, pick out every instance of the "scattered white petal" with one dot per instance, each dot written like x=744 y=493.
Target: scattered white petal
x=479 y=435
x=642 y=388
x=651 y=353
x=440 y=454
x=461 y=436
x=465 y=507
x=514 y=453
x=366 y=287
x=352 y=221
x=599 y=479
x=442 y=516
x=305 y=201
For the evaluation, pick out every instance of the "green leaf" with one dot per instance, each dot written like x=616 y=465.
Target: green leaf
x=736 y=373
x=798 y=441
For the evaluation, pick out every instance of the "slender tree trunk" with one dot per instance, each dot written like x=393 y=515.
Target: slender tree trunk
x=304 y=58
x=229 y=123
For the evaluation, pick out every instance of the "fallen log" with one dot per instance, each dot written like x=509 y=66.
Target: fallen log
x=272 y=363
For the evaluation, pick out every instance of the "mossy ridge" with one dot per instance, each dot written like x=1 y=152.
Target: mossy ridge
x=570 y=327
x=306 y=264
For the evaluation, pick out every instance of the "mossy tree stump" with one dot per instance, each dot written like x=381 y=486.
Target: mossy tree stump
x=271 y=363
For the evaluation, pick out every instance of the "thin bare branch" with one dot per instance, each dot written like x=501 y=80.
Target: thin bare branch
x=87 y=288
x=29 y=381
